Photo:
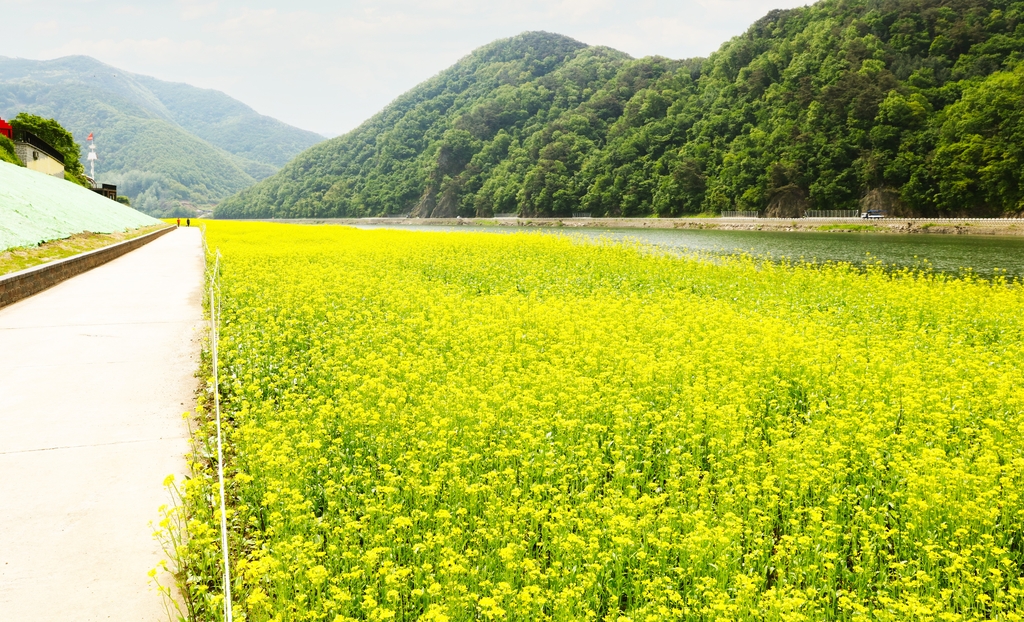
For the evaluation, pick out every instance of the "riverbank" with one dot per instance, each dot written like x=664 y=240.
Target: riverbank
x=947 y=226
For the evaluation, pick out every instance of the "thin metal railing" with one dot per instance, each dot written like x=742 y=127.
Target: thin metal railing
x=25 y=136
x=832 y=213
x=739 y=214
x=214 y=324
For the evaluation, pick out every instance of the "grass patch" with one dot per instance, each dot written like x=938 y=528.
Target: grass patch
x=21 y=257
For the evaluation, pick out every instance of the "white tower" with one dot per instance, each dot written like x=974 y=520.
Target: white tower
x=92 y=159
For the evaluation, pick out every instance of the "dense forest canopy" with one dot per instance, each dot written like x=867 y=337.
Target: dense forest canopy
x=912 y=106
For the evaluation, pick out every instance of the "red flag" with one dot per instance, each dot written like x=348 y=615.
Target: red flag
x=90 y=136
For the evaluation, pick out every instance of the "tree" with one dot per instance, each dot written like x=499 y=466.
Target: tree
x=57 y=137
x=7 y=153
x=819 y=107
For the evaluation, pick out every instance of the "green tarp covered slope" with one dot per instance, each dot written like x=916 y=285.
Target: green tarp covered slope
x=35 y=208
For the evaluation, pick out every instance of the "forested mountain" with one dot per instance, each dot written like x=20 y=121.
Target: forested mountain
x=167 y=146
x=914 y=106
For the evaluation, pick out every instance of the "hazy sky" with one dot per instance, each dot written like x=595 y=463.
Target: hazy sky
x=329 y=65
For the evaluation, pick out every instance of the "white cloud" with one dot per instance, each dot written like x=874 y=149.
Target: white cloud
x=45 y=28
x=193 y=9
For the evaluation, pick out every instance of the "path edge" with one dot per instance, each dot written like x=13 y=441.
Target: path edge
x=24 y=283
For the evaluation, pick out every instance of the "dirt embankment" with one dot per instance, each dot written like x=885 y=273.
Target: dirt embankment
x=19 y=258
x=949 y=226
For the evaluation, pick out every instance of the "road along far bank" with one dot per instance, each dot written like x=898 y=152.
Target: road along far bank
x=95 y=375
x=949 y=226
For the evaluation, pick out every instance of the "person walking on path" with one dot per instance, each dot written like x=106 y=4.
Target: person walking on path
x=179 y=222
x=188 y=222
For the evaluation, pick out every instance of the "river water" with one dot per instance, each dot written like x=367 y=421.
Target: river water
x=951 y=254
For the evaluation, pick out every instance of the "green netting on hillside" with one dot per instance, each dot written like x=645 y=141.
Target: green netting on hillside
x=35 y=208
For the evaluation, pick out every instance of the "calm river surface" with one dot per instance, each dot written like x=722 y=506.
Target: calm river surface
x=944 y=253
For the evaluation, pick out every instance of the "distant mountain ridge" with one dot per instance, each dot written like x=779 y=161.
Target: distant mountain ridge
x=909 y=106
x=167 y=145
x=404 y=159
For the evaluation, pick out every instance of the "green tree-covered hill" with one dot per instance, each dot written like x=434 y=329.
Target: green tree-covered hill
x=913 y=106
x=167 y=146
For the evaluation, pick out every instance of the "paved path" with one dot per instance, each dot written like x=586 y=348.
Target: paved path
x=94 y=376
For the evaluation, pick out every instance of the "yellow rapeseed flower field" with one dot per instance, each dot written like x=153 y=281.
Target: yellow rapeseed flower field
x=429 y=426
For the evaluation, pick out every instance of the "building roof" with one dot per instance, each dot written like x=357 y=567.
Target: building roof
x=27 y=137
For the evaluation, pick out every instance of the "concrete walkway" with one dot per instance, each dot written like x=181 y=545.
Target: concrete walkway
x=94 y=376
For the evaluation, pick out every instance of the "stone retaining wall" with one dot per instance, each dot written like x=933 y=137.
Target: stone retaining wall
x=24 y=283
